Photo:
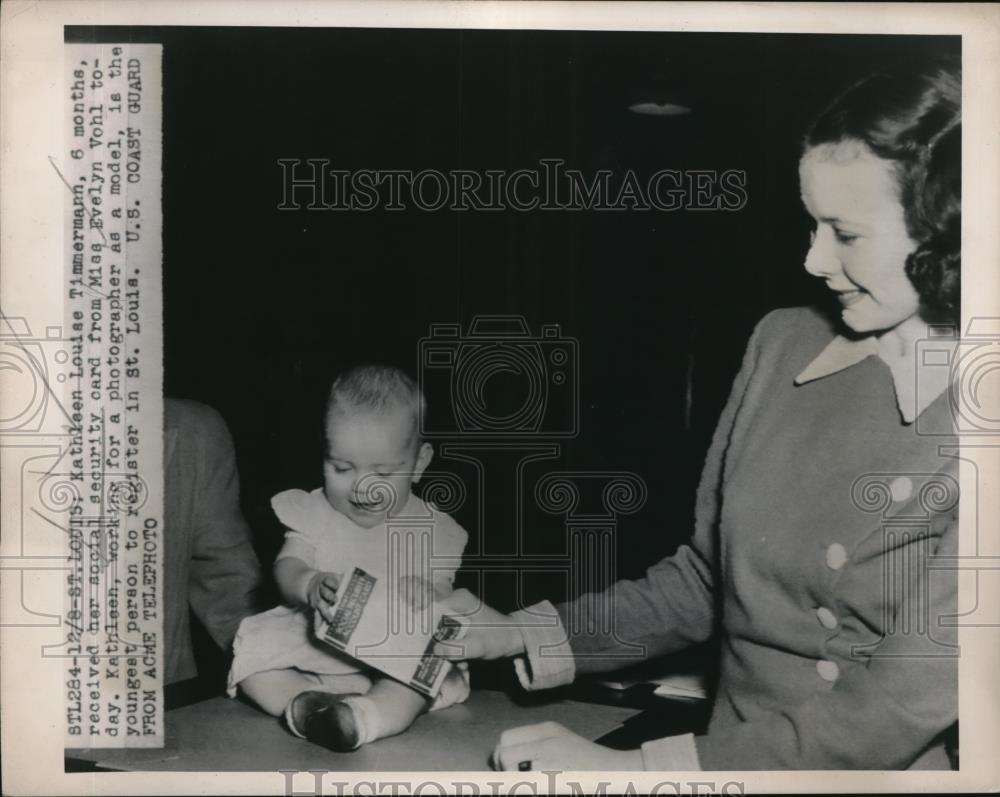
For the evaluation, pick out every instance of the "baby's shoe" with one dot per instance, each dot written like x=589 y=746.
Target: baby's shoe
x=338 y=722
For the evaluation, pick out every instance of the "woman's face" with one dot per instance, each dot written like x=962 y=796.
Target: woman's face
x=860 y=244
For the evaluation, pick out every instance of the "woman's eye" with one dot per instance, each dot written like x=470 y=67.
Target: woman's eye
x=340 y=469
x=845 y=237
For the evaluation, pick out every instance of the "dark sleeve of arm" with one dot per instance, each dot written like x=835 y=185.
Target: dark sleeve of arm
x=674 y=606
x=225 y=573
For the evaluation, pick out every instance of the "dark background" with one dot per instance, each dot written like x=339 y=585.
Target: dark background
x=263 y=307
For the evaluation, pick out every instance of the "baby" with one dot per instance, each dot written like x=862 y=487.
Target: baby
x=374 y=455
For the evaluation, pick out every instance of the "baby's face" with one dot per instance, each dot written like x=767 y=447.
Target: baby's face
x=371 y=462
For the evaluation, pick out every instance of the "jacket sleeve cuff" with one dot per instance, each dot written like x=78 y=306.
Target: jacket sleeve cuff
x=548 y=659
x=671 y=754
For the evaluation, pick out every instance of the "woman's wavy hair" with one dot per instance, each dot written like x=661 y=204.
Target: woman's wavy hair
x=912 y=117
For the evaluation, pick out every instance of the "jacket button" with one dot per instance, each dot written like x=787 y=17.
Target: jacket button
x=826 y=618
x=828 y=670
x=836 y=556
x=901 y=489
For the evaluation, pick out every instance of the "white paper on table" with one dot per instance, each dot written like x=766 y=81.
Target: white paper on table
x=689 y=685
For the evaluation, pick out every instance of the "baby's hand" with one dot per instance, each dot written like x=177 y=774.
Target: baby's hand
x=322 y=593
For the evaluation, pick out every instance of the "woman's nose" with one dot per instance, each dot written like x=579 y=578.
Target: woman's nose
x=821 y=259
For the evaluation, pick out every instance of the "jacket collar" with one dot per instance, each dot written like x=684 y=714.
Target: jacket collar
x=918 y=379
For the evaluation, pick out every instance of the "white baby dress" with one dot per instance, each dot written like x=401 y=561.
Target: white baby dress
x=417 y=541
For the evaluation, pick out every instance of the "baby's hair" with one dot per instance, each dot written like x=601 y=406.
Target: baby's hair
x=377 y=388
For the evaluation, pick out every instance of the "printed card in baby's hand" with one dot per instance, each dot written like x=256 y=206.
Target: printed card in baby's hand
x=375 y=624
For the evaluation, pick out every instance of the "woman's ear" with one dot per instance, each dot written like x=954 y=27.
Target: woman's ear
x=424 y=457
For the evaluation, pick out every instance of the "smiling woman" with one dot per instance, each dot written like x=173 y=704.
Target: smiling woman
x=836 y=652
x=898 y=141
x=861 y=238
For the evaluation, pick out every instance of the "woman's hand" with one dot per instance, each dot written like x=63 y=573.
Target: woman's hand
x=322 y=593
x=488 y=634
x=549 y=745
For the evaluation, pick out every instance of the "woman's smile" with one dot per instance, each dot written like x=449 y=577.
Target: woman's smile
x=851 y=296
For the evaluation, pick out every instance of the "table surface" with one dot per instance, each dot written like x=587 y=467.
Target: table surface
x=223 y=735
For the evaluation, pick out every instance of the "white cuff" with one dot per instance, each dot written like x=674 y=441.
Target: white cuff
x=671 y=754
x=548 y=660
